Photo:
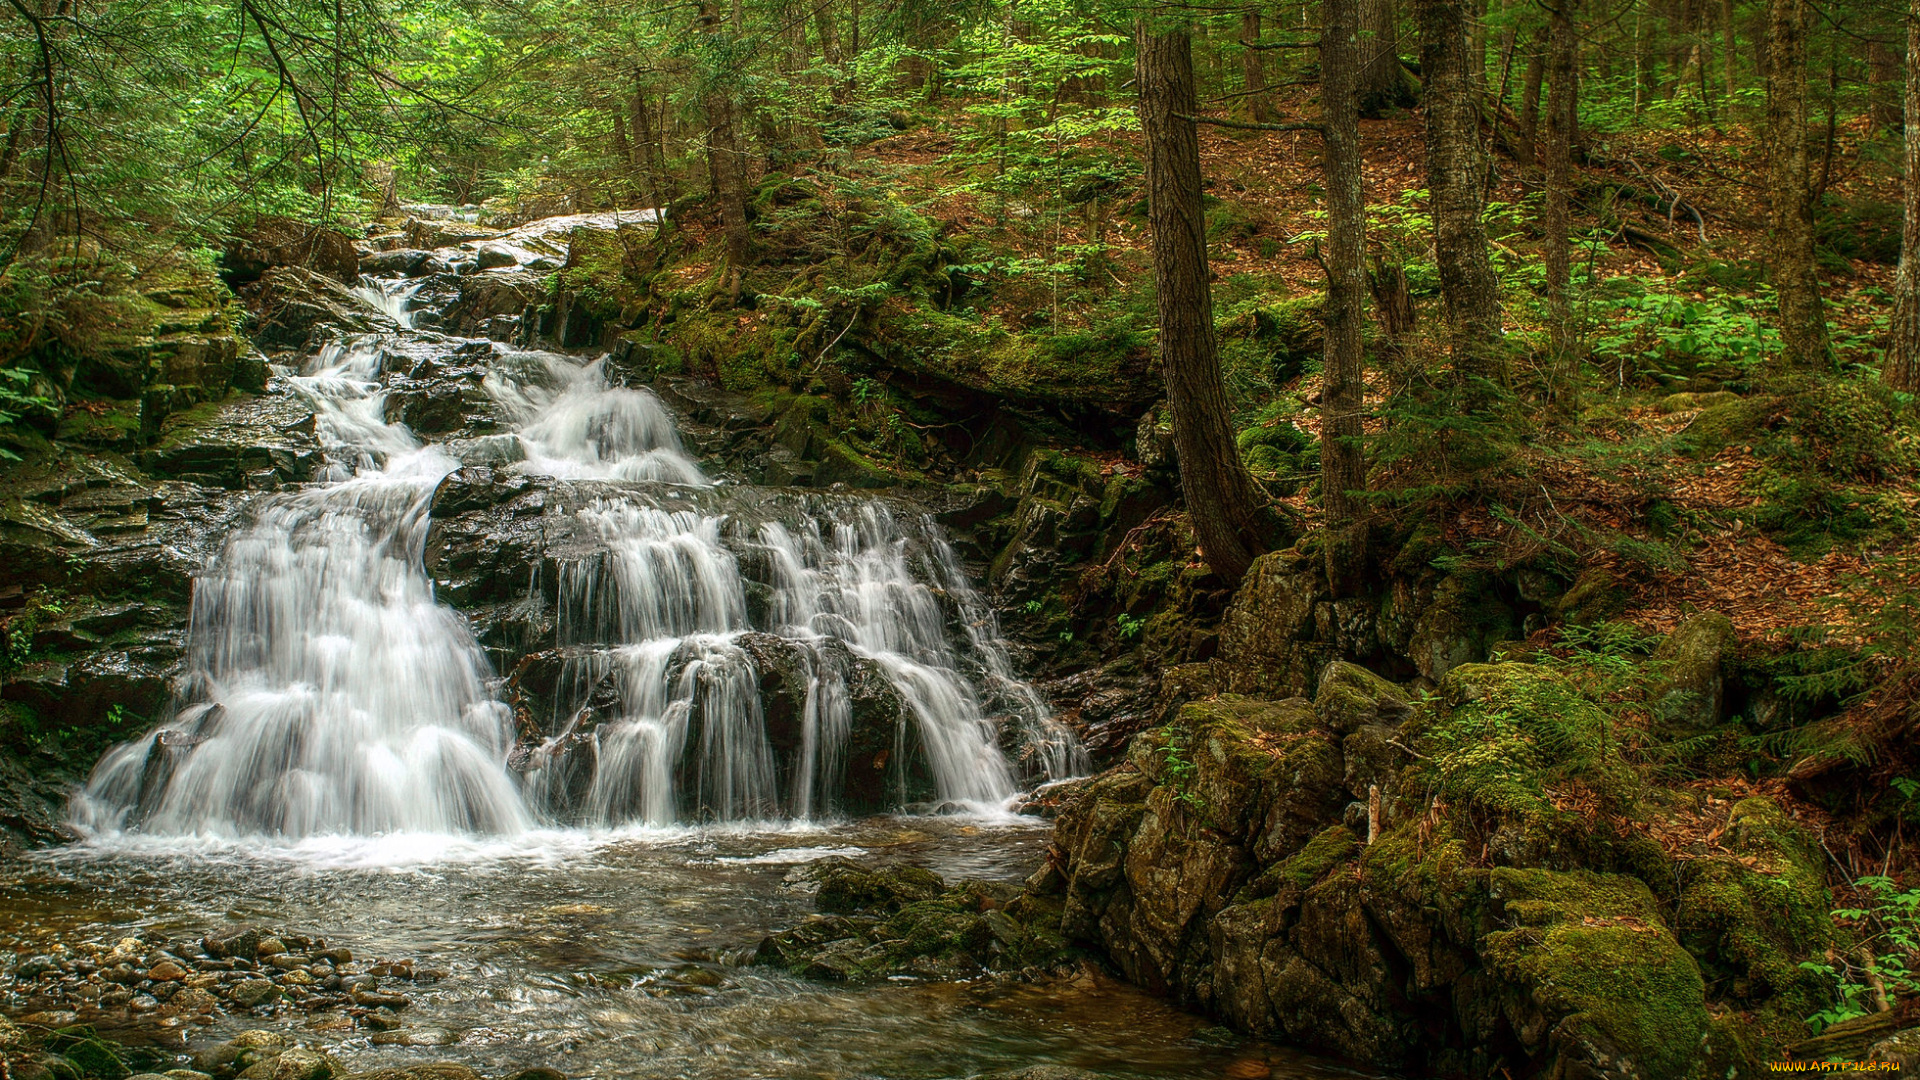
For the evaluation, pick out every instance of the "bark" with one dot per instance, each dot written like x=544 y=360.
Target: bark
x=1558 y=219
x=1456 y=177
x=1253 y=68
x=1729 y=56
x=726 y=163
x=1381 y=81
x=1530 y=101
x=1343 y=468
x=1803 y=322
x=1219 y=493
x=1902 y=370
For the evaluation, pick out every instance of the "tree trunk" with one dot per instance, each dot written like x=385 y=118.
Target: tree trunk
x=1558 y=219
x=1219 y=494
x=1253 y=68
x=1380 y=80
x=1343 y=466
x=725 y=161
x=1902 y=371
x=1456 y=176
x=1530 y=104
x=1803 y=321
x=1729 y=56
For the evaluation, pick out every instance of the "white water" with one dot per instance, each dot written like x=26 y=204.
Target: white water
x=330 y=695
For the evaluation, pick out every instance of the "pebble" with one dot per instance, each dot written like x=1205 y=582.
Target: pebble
x=166 y=971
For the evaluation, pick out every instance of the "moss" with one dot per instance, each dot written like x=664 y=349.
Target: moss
x=1590 y=953
x=1727 y=424
x=1503 y=740
x=1330 y=848
x=1755 y=916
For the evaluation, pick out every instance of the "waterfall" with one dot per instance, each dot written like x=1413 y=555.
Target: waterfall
x=728 y=654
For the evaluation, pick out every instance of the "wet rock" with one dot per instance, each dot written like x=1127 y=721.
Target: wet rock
x=250 y=993
x=846 y=888
x=373 y=999
x=291 y=303
x=381 y=1019
x=399 y=262
x=166 y=971
x=536 y=1073
x=232 y=942
x=299 y=1064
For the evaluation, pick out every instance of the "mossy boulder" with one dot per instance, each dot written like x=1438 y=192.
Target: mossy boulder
x=1601 y=983
x=1728 y=423
x=1754 y=914
x=1691 y=693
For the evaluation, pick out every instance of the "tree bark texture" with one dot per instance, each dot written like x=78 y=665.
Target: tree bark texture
x=1803 y=321
x=1381 y=81
x=1219 y=493
x=726 y=163
x=1902 y=370
x=1343 y=466
x=1456 y=177
x=1253 y=69
x=1558 y=216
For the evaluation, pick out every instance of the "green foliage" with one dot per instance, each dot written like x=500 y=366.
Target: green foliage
x=1649 y=334
x=1890 y=955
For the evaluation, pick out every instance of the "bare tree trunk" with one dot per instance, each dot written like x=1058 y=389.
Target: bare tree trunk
x=1381 y=80
x=1902 y=370
x=1729 y=55
x=1530 y=102
x=1219 y=494
x=725 y=162
x=1803 y=321
x=1558 y=219
x=1253 y=68
x=1456 y=176
x=1343 y=465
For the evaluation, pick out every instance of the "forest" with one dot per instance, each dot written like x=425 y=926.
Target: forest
x=998 y=539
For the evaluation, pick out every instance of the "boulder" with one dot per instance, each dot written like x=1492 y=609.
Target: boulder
x=1691 y=692
x=290 y=303
x=268 y=242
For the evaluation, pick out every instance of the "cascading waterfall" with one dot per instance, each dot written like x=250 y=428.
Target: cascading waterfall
x=330 y=693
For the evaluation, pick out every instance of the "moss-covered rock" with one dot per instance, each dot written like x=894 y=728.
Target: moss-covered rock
x=1691 y=693
x=1601 y=982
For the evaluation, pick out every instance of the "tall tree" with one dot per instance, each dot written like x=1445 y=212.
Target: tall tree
x=1253 y=67
x=1558 y=217
x=1343 y=466
x=1803 y=319
x=1902 y=370
x=1456 y=176
x=726 y=160
x=1219 y=493
x=1381 y=81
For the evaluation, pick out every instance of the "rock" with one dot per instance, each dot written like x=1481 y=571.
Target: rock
x=1043 y=1073
x=268 y=242
x=1350 y=697
x=250 y=993
x=260 y=1039
x=292 y=303
x=1902 y=1049
x=1691 y=692
x=414 y=1037
x=166 y=971
x=536 y=1073
x=373 y=999
x=381 y=1019
x=400 y=262
x=298 y=1064
x=193 y=1000
x=11 y=1037
x=846 y=888
x=269 y=947
x=235 y=941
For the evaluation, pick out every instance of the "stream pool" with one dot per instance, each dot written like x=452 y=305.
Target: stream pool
x=626 y=954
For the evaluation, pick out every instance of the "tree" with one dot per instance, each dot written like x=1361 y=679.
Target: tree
x=1803 y=319
x=1253 y=67
x=1456 y=176
x=1343 y=466
x=1562 y=105
x=1902 y=370
x=1219 y=493
x=1381 y=80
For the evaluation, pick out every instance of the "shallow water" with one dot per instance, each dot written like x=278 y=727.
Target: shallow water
x=586 y=952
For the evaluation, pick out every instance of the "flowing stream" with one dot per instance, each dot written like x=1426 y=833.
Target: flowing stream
x=345 y=758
